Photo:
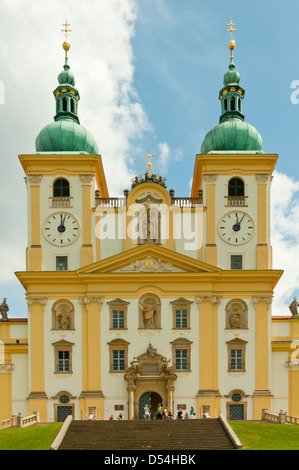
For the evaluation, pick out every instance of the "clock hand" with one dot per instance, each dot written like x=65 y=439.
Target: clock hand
x=61 y=227
x=237 y=225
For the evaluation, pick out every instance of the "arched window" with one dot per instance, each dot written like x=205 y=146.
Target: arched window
x=72 y=106
x=225 y=105
x=232 y=104
x=236 y=187
x=61 y=188
x=64 y=104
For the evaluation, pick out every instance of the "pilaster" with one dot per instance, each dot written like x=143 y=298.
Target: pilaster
x=263 y=250
x=91 y=394
x=262 y=397
x=35 y=249
x=208 y=393
x=87 y=247
x=37 y=398
x=211 y=247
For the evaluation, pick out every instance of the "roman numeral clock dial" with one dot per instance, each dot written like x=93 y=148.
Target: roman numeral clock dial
x=61 y=228
x=236 y=227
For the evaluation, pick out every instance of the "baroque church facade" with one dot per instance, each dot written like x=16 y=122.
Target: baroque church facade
x=149 y=297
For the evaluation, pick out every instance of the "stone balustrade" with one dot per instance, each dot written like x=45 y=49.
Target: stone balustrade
x=18 y=421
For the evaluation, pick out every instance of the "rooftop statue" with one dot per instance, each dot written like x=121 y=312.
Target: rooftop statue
x=4 y=309
x=294 y=307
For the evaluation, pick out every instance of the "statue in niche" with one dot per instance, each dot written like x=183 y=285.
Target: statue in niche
x=149 y=224
x=236 y=314
x=4 y=309
x=149 y=309
x=294 y=307
x=63 y=318
x=235 y=317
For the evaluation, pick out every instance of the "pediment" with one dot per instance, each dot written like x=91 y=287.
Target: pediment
x=149 y=364
x=148 y=258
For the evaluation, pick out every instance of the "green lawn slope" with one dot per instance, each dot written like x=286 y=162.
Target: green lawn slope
x=30 y=438
x=267 y=436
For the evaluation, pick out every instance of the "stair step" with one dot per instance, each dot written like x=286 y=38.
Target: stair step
x=146 y=435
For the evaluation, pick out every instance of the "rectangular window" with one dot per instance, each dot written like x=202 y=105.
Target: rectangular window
x=118 y=360
x=61 y=263
x=181 y=359
x=181 y=319
x=236 y=359
x=63 y=361
x=236 y=262
x=118 y=319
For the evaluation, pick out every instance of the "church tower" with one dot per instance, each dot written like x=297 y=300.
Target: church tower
x=234 y=173
x=62 y=176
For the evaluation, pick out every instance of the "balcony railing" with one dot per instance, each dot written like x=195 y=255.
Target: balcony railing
x=115 y=202
x=61 y=201
x=186 y=201
x=233 y=201
x=111 y=202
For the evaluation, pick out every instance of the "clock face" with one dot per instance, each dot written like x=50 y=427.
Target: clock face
x=61 y=228
x=236 y=227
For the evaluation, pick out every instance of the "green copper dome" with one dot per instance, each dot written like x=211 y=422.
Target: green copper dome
x=232 y=77
x=232 y=132
x=66 y=134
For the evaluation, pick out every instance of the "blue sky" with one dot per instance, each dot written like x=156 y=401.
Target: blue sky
x=149 y=73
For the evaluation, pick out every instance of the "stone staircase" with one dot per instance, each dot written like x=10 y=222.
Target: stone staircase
x=179 y=435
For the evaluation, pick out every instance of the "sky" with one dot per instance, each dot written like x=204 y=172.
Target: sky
x=149 y=73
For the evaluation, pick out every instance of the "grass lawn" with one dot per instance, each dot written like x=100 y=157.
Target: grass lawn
x=30 y=438
x=253 y=436
x=267 y=436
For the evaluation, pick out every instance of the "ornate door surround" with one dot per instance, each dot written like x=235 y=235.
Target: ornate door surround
x=149 y=372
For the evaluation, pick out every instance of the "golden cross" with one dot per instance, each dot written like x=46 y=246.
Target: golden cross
x=231 y=29
x=149 y=163
x=66 y=30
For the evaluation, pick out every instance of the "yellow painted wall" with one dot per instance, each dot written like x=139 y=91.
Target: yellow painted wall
x=6 y=396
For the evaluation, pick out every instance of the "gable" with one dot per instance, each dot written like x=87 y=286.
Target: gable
x=148 y=258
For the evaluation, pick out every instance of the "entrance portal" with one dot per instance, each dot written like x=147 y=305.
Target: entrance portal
x=152 y=399
x=149 y=371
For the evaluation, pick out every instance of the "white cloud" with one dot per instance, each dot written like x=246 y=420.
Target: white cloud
x=31 y=57
x=164 y=155
x=102 y=60
x=285 y=239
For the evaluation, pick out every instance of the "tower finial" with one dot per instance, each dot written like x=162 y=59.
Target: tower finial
x=66 y=46
x=231 y=44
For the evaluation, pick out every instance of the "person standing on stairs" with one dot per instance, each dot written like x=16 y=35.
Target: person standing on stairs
x=159 y=411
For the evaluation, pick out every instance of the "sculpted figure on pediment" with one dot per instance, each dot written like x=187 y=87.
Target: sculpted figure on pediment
x=151 y=265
